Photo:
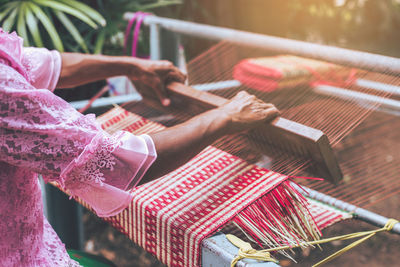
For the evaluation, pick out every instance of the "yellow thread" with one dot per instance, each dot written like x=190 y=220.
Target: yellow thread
x=388 y=227
x=246 y=251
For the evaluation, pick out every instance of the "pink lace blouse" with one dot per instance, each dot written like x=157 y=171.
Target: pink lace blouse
x=41 y=133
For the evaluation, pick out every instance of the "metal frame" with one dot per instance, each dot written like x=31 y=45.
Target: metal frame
x=337 y=55
x=219 y=251
x=359 y=213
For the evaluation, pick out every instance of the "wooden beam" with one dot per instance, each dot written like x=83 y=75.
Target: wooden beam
x=293 y=138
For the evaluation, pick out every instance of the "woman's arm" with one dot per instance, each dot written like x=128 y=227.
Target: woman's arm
x=78 y=69
x=178 y=144
x=41 y=132
x=175 y=145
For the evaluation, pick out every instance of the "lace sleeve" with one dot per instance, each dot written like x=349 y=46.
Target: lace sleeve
x=42 y=66
x=43 y=133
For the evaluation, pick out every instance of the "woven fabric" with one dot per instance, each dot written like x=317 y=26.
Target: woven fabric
x=325 y=215
x=169 y=217
x=270 y=73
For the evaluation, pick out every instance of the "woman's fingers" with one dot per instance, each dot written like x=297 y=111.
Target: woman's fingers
x=257 y=104
x=271 y=113
x=242 y=94
x=152 y=84
x=174 y=76
x=169 y=74
x=154 y=76
x=265 y=113
x=161 y=92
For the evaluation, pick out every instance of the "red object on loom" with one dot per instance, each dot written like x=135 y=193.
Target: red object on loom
x=169 y=217
x=270 y=73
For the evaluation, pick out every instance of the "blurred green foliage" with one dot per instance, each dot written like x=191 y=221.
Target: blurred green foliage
x=109 y=39
x=33 y=18
x=71 y=25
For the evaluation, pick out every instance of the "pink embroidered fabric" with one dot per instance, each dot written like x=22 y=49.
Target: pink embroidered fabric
x=42 y=134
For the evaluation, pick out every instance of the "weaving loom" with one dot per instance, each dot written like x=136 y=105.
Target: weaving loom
x=369 y=106
x=352 y=115
x=170 y=217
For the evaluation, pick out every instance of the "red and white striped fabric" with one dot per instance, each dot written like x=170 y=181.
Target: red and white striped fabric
x=326 y=215
x=270 y=73
x=169 y=217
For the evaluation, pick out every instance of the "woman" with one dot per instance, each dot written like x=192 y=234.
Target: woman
x=41 y=133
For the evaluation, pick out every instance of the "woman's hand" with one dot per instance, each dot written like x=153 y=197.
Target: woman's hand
x=149 y=76
x=245 y=111
x=178 y=144
x=153 y=76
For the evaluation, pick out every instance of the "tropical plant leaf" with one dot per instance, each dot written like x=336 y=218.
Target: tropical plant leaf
x=12 y=4
x=10 y=20
x=48 y=26
x=8 y=7
x=92 y=13
x=31 y=21
x=98 y=48
x=26 y=16
x=21 y=25
x=72 y=29
x=67 y=9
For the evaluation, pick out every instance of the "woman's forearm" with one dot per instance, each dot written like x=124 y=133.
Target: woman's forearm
x=175 y=145
x=149 y=75
x=78 y=69
x=178 y=144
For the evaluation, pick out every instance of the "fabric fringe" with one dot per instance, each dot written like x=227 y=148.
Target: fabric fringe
x=280 y=217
